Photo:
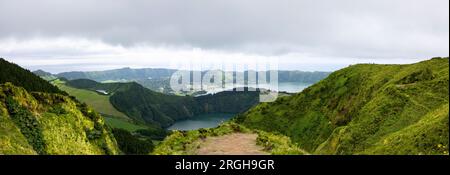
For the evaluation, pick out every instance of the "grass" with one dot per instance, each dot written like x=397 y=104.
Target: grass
x=187 y=142
x=278 y=144
x=48 y=123
x=365 y=109
x=123 y=124
x=99 y=102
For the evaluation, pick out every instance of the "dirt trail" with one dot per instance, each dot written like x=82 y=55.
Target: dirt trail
x=232 y=144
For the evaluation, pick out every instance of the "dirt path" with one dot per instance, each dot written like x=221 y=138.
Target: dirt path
x=232 y=144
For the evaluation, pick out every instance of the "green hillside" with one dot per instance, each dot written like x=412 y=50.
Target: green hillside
x=124 y=124
x=18 y=76
x=43 y=123
x=365 y=109
x=99 y=102
x=141 y=104
x=38 y=118
x=157 y=109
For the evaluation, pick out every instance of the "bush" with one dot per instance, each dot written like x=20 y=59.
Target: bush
x=130 y=144
x=28 y=125
x=58 y=110
x=153 y=133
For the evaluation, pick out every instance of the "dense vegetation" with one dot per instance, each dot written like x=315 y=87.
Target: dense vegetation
x=228 y=101
x=148 y=106
x=18 y=76
x=130 y=144
x=161 y=110
x=43 y=123
x=187 y=142
x=366 y=109
x=27 y=124
x=37 y=118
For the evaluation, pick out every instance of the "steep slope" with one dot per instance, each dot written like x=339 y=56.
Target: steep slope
x=141 y=104
x=99 y=102
x=228 y=101
x=38 y=118
x=365 y=109
x=151 y=107
x=144 y=105
x=18 y=76
x=43 y=123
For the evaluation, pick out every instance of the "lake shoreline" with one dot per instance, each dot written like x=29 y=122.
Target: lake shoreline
x=211 y=120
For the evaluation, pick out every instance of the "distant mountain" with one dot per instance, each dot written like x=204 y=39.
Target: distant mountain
x=18 y=76
x=144 y=105
x=42 y=73
x=38 y=118
x=159 y=79
x=150 y=73
x=365 y=109
x=120 y=74
x=301 y=76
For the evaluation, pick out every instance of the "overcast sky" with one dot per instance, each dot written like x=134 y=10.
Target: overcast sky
x=63 y=35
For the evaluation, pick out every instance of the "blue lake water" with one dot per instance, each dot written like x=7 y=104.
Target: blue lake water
x=290 y=87
x=201 y=121
x=213 y=120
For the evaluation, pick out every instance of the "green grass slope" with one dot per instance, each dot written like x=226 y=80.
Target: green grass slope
x=18 y=76
x=365 y=109
x=44 y=123
x=161 y=110
x=124 y=124
x=99 y=102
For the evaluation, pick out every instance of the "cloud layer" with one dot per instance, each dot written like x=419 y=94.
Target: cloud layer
x=344 y=29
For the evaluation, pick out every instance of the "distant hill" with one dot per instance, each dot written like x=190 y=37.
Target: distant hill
x=18 y=76
x=42 y=73
x=38 y=118
x=301 y=76
x=119 y=74
x=144 y=105
x=159 y=79
x=365 y=109
x=161 y=73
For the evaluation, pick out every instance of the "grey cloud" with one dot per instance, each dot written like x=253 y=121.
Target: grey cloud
x=343 y=28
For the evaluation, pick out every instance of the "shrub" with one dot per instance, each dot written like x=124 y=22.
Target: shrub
x=28 y=125
x=130 y=144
